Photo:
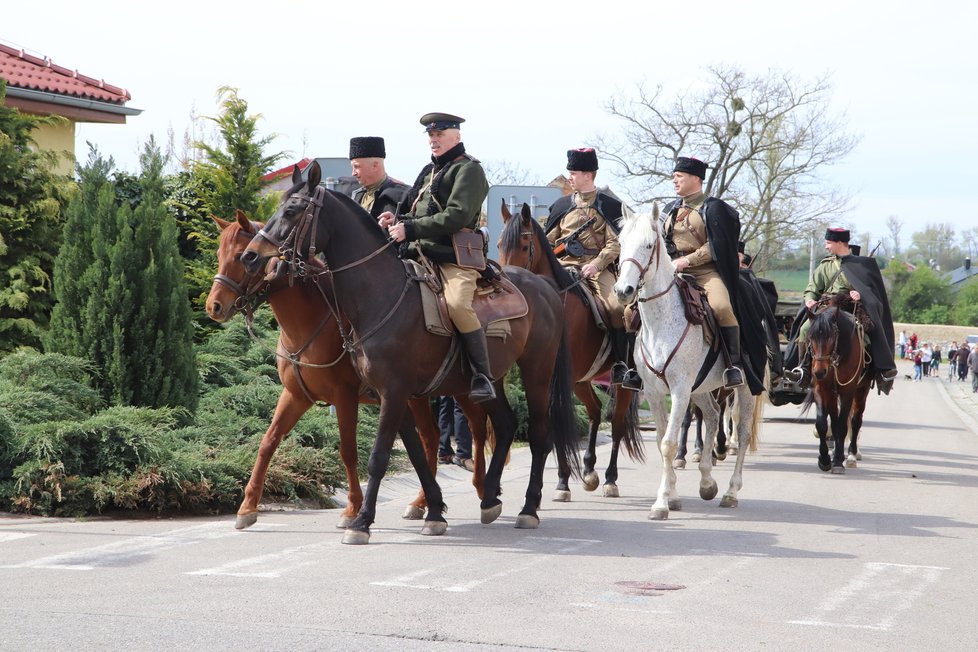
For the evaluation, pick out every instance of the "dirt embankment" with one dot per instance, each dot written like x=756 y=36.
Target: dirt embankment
x=935 y=333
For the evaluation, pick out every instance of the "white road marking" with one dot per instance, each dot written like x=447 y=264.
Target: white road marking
x=283 y=562
x=552 y=545
x=875 y=598
x=13 y=536
x=129 y=550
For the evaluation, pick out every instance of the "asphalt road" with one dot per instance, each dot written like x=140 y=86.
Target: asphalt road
x=882 y=557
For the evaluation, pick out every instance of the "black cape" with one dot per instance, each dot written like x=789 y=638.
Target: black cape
x=765 y=300
x=389 y=197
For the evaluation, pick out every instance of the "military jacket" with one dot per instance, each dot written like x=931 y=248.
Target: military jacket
x=599 y=240
x=387 y=197
x=827 y=278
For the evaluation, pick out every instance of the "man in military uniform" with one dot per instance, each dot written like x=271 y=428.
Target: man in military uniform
x=701 y=235
x=378 y=193
x=446 y=198
x=842 y=271
x=583 y=229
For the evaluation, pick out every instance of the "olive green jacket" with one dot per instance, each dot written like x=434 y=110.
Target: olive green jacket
x=822 y=279
x=458 y=205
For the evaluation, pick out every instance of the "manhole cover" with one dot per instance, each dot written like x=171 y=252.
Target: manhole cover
x=648 y=588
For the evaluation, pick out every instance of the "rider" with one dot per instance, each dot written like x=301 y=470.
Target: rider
x=587 y=224
x=701 y=237
x=446 y=198
x=842 y=271
x=378 y=192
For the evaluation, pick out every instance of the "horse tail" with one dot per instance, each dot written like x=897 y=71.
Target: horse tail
x=632 y=434
x=561 y=412
x=759 y=402
x=491 y=441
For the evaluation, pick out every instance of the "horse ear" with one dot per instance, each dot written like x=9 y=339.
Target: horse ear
x=526 y=213
x=315 y=176
x=243 y=220
x=296 y=175
x=221 y=224
x=504 y=211
x=655 y=211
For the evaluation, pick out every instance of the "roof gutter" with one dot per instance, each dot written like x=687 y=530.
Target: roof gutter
x=65 y=100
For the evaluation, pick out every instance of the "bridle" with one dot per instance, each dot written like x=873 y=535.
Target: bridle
x=308 y=226
x=247 y=297
x=833 y=357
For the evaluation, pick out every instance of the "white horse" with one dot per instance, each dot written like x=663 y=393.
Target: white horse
x=669 y=354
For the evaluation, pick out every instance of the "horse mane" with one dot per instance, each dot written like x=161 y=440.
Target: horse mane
x=510 y=240
x=823 y=326
x=360 y=213
x=640 y=226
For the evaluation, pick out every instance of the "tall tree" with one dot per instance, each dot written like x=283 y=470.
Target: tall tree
x=894 y=225
x=122 y=300
x=935 y=246
x=768 y=139
x=31 y=200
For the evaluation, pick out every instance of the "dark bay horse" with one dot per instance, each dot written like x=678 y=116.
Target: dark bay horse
x=841 y=383
x=312 y=365
x=396 y=355
x=524 y=244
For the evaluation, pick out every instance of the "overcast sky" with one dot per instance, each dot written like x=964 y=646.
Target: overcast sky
x=532 y=78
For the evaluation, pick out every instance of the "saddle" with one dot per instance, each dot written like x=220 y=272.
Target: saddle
x=696 y=309
x=497 y=301
x=602 y=317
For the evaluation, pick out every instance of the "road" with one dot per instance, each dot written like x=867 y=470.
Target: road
x=879 y=558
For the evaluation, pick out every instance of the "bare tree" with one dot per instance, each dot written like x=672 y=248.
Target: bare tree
x=504 y=173
x=894 y=225
x=767 y=140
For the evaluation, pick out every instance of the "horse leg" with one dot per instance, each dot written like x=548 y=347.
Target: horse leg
x=667 y=498
x=746 y=413
x=476 y=417
x=680 y=462
x=858 y=407
x=840 y=428
x=347 y=412
x=823 y=407
x=425 y=420
x=710 y=412
x=422 y=461
x=585 y=392
x=504 y=425
x=288 y=411
x=619 y=431
x=537 y=384
x=698 y=445
x=720 y=449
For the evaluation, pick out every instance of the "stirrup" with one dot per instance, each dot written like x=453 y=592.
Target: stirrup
x=481 y=389
x=732 y=377
x=795 y=375
x=618 y=372
x=632 y=381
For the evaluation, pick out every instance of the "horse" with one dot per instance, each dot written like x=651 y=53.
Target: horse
x=394 y=353
x=524 y=244
x=841 y=382
x=671 y=351
x=312 y=366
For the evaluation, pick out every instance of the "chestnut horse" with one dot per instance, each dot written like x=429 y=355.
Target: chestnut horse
x=840 y=385
x=396 y=355
x=524 y=244
x=312 y=365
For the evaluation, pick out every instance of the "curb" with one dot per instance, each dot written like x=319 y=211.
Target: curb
x=966 y=418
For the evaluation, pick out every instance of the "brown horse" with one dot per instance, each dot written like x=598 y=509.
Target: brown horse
x=396 y=355
x=312 y=365
x=524 y=244
x=841 y=384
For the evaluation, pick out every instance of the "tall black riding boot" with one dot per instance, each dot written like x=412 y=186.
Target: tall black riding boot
x=632 y=380
x=482 y=389
x=732 y=376
x=619 y=349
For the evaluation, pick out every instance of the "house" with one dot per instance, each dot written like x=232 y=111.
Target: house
x=957 y=277
x=38 y=86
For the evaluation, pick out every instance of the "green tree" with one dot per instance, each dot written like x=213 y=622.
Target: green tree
x=964 y=312
x=31 y=199
x=915 y=294
x=122 y=300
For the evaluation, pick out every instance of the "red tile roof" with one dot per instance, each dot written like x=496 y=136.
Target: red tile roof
x=22 y=70
x=286 y=171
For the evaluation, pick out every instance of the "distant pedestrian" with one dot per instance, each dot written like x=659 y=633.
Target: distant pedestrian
x=935 y=361
x=962 y=360
x=973 y=365
x=903 y=344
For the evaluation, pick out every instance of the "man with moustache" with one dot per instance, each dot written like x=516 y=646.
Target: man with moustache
x=378 y=193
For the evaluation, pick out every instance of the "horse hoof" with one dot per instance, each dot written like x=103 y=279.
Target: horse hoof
x=413 y=513
x=527 y=522
x=345 y=522
x=838 y=470
x=850 y=462
x=610 y=491
x=245 y=520
x=561 y=496
x=490 y=514
x=696 y=458
x=824 y=467
x=859 y=456
x=679 y=463
x=434 y=528
x=675 y=505
x=356 y=538
x=729 y=501
x=719 y=457
x=591 y=481
x=710 y=492
x=658 y=514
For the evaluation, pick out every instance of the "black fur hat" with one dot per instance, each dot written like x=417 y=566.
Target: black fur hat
x=582 y=160
x=837 y=235
x=692 y=166
x=367 y=147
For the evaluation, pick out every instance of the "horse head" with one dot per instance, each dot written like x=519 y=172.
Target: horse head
x=643 y=256
x=823 y=340
x=280 y=235
x=232 y=283
x=517 y=242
